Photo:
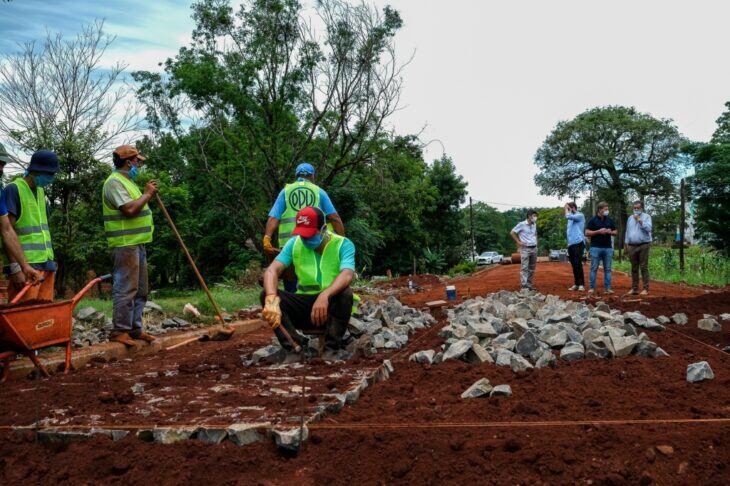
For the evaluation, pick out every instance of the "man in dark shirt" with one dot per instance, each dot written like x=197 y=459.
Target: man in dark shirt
x=600 y=229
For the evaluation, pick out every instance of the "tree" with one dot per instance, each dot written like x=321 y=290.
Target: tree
x=627 y=153
x=268 y=90
x=722 y=133
x=448 y=235
x=551 y=232
x=58 y=96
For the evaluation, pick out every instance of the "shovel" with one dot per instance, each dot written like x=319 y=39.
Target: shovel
x=224 y=332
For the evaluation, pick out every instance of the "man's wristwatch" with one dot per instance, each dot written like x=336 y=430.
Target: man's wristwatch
x=15 y=268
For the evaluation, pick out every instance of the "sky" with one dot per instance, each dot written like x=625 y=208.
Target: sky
x=490 y=79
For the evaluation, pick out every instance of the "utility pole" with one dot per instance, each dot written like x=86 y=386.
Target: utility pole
x=682 y=197
x=471 y=230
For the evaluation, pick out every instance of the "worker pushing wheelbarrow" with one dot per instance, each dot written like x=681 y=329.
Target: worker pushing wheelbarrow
x=27 y=327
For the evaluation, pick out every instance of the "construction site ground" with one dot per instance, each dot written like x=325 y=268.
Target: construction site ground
x=583 y=422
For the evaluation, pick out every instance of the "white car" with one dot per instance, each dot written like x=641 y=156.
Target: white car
x=489 y=257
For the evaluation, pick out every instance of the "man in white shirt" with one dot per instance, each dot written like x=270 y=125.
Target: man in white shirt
x=525 y=235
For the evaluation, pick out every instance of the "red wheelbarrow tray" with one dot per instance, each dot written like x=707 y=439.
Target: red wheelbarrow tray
x=30 y=326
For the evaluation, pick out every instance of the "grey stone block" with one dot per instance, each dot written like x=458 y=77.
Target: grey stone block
x=479 y=389
x=699 y=371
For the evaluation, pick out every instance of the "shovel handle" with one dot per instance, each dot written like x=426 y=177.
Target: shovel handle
x=190 y=259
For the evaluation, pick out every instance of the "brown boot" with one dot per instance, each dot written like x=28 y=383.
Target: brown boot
x=124 y=338
x=144 y=337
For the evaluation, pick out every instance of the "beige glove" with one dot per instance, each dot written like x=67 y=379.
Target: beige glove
x=272 y=311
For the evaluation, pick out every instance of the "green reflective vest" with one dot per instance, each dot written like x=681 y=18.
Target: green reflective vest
x=32 y=227
x=298 y=195
x=121 y=230
x=313 y=278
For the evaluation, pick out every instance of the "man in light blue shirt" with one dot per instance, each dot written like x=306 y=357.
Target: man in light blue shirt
x=576 y=244
x=638 y=241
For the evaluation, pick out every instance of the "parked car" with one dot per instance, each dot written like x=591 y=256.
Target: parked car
x=489 y=257
x=559 y=255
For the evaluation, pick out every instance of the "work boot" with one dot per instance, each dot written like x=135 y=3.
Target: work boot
x=123 y=338
x=144 y=336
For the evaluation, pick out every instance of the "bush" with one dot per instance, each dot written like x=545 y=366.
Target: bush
x=702 y=266
x=463 y=268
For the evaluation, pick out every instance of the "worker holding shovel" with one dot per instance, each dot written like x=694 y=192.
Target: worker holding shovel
x=324 y=263
x=128 y=227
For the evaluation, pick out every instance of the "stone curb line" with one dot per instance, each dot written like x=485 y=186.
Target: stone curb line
x=238 y=433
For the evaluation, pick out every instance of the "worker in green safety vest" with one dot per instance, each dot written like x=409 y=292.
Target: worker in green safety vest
x=128 y=227
x=294 y=197
x=28 y=214
x=324 y=263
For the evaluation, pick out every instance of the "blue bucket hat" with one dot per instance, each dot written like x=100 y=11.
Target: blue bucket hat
x=304 y=169
x=44 y=161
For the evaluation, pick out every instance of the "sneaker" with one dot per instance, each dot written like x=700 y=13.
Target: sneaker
x=591 y=291
x=644 y=292
x=608 y=291
x=144 y=337
x=125 y=339
x=581 y=288
x=632 y=292
x=574 y=287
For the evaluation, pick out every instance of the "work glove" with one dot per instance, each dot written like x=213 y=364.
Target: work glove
x=269 y=249
x=272 y=311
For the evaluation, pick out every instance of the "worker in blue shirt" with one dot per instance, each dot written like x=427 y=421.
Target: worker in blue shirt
x=293 y=198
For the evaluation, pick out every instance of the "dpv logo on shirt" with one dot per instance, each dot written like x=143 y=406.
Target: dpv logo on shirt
x=301 y=197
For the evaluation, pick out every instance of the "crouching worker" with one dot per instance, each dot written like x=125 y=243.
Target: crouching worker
x=324 y=263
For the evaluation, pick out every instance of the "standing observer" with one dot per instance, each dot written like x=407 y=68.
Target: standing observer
x=601 y=229
x=282 y=217
x=128 y=227
x=638 y=241
x=576 y=244
x=28 y=214
x=525 y=235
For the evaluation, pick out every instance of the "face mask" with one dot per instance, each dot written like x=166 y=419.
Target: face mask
x=605 y=213
x=42 y=180
x=534 y=219
x=133 y=172
x=313 y=242
x=637 y=211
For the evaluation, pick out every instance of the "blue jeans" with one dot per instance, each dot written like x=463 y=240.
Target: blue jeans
x=599 y=255
x=129 y=289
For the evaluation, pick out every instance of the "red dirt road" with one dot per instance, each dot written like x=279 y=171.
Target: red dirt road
x=363 y=447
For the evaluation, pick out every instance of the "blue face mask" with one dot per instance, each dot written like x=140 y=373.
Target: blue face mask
x=133 y=172
x=42 y=180
x=313 y=242
x=637 y=211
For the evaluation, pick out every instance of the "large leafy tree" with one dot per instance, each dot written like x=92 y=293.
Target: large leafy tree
x=617 y=149
x=710 y=185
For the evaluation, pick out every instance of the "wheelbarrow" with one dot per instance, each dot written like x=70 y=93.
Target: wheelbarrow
x=26 y=328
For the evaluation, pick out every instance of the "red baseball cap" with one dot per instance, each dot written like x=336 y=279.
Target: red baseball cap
x=309 y=222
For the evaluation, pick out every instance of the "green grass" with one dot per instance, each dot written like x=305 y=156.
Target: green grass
x=702 y=266
x=172 y=301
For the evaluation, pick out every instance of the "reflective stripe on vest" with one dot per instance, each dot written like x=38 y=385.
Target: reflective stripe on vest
x=121 y=230
x=309 y=274
x=297 y=195
x=32 y=227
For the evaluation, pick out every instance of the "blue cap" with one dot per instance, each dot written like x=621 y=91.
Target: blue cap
x=44 y=161
x=304 y=169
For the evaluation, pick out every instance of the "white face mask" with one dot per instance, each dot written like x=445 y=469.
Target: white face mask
x=605 y=213
x=534 y=219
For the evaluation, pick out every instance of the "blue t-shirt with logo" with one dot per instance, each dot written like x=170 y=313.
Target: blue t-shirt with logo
x=325 y=204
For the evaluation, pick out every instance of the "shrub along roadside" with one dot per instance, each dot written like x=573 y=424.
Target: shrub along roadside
x=702 y=266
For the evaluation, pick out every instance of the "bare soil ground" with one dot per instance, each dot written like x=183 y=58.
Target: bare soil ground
x=413 y=428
